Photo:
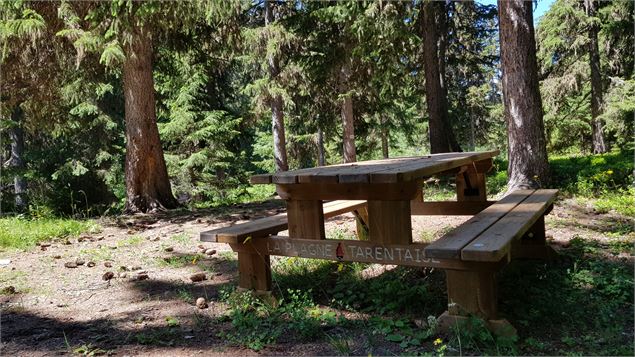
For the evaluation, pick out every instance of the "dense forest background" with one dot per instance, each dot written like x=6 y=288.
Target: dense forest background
x=242 y=87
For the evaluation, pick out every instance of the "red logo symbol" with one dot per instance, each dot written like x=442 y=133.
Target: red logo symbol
x=339 y=251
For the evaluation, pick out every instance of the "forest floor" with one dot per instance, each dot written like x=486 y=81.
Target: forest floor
x=582 y=303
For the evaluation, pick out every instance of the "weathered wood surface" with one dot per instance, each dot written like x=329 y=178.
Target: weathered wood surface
x=448 y=208
x=349 y=191
x=494 y=243
x=357 y=251
x=378 y=171
x=273 y=224
x=449 y=246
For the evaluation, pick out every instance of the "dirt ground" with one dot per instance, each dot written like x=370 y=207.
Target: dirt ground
x=58 y=309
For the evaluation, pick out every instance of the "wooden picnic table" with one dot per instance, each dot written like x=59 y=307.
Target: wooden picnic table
x=384 y=195
x=388 y=185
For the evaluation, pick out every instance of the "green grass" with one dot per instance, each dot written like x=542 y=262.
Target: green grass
x=21 y=233
x=131 y=241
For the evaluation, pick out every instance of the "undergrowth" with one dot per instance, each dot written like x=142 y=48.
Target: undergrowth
x=23 y=233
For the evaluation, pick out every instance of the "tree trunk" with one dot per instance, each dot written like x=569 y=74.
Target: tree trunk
x=599 y=146
x=147 y=183
x=434 y=44
x=16 y=161
x=348 y=119
x=320 y=147
x=528 y=166
x=277 y=113
x=384 y=137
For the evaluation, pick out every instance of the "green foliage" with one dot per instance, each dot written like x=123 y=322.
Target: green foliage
x=23 y=233
x=593 y=175
x=563 y=55
x=258 y=322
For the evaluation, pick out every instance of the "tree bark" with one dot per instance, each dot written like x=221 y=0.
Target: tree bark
x=434 y=45
x=147 y=183
x=320 y=147
x=599 y=145
x=348 y=118
x=277 y=113
x=528 y=166
x=16 y=161
x=384 y=137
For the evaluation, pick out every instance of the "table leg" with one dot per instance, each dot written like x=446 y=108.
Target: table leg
x=470 y=186
x=389 y=222
x=306 y=219
x=361 y=220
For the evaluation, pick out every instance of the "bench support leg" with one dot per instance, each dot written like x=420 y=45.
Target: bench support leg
x=534 y=244
x=473 y=293
x=254 y=272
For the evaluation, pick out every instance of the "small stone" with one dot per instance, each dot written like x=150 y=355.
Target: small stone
x=201 y=303
x=81 y=239
x=200 y=246
x=168 y=249
x=113 y=247
x=198 y=220
x=108 y=275
x=210 y=251
x=218 y=274
x=123 y=275
x=135 y=268
x=57 y=256
x=44 y=244
x=67 y=242
x=80 y=261
x=142 y=276
x=100 y=238
x=90 y=264
x=123 y=268
x=70 y=265
x=108 y=264
x=198 y=277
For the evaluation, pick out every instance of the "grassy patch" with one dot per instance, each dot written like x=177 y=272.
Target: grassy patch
x=259 y=322
x=97 y=254
x=182 y=238
x=592 y=175
x=131 y=241
x=620 y=201
x=180 y=261
x=21 y=233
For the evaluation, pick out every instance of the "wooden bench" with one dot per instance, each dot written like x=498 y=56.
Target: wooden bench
x=254 y=269
x=513 y=227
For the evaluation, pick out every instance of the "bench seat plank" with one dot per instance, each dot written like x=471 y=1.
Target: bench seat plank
x=494 y=243
x=449 y=246
x=273 y=224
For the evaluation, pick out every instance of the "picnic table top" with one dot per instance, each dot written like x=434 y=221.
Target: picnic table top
x=394 y=170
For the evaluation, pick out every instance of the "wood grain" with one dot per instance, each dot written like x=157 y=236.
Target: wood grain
x=495 y=242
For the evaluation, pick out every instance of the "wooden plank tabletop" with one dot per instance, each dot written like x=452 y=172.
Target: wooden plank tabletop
x=400 y=169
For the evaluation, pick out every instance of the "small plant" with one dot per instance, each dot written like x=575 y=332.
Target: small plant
x=172 y=321
x=130 y=242
x=182 y=238
x=185 y=295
